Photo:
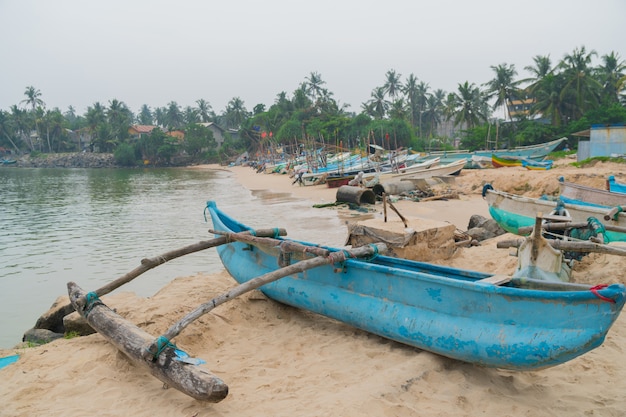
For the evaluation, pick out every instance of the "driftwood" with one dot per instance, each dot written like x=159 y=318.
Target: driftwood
x=146 y=265
x=330 y=258
x=447 y=196
x=132 y=341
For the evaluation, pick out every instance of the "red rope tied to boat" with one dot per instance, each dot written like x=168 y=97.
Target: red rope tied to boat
x=597 y=294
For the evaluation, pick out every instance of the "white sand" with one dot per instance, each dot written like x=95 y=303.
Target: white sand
x=279 y=361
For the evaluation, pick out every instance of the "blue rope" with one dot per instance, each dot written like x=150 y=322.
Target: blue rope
x=276 y=233
x=375 y=254
x=162 y=343
x=91 y=300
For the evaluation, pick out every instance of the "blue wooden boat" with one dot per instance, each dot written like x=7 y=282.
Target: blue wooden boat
x=513 y=212
x=573 y=193
x=476 y=317
x=537 y=165
x=614 y=186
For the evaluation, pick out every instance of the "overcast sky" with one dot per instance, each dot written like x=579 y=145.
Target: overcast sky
x=78 y=52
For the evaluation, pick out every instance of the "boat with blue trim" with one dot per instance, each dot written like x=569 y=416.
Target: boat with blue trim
x=476 y=317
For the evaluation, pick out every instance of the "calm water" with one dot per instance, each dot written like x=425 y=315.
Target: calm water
x=93 y=225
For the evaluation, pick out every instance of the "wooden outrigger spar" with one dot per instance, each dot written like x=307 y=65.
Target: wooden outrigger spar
x=159 y=355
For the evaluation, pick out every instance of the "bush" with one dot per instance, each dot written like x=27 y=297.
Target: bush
x=125 y=155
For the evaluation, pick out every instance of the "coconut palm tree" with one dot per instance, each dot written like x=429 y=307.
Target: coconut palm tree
x=581 y=90
x=609 y=74
x=410 y=92
x=97 y=125
x=235 y=113
x=33 y=98
x=470 y=105
x=205 y=110
x=398 y=109
x=422 y=100
x=502 y=87
x=7 y=129
x=393 y=84
x=377 y=106
x=191 y=115
x=145 y=115
x=548 y=98
x=174 y=118
x=314 y=85
x=160 y=114
x=541 y=69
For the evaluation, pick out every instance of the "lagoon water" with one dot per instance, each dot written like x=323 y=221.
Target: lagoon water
x=92 y=226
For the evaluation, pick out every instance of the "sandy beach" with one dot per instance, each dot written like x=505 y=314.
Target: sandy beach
x=279 y=361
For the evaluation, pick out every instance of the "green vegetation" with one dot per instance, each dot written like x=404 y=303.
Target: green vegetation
x=592 y=161
x=558 y=99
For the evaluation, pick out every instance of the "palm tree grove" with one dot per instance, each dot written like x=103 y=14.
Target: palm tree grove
x=558 y=98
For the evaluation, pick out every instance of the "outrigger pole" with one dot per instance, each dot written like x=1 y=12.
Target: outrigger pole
x=162 y=358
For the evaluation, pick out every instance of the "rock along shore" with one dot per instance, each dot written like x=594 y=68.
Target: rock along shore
x=67 y=160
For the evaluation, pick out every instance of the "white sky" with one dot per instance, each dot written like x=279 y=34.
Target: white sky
x=78 y=52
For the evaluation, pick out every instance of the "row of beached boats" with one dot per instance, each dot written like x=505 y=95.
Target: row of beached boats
x=518 y=322
x=380 y=165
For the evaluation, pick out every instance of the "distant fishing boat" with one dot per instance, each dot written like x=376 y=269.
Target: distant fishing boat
x=514 y=212
x=505 y=161
x=534 y=152
x=537 y=165
x=580 y=194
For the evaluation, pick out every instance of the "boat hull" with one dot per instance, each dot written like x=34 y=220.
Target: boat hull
x=436 y=308
x=513 y=212
x=583 y=195
x=534 y=152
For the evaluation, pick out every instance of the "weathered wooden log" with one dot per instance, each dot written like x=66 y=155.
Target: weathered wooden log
x=189 y=379
x=356 y=195
x=147 y=264
x=301 y=266
x=568 y=245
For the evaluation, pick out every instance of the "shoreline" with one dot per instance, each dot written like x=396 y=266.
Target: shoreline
x=281 y=361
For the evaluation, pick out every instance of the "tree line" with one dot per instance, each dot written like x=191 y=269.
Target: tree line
x=561 y=97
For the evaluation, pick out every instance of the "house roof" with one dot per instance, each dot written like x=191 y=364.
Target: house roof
x=211 y=124
x=143 y=128
x=585 y=133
